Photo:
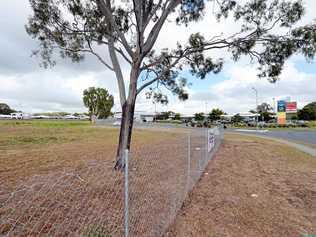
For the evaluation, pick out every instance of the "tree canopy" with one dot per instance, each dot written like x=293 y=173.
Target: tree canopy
x=237 y=118
x=5 y=109
x=215 y=114
x=265 y=111
x=308 y=112
x=98 y=101
x=130 y=29
x=199 y=117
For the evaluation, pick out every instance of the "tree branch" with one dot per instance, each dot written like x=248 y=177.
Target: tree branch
x=87 y=51
x=153 y=35
x=106 y=11
x=118 y=72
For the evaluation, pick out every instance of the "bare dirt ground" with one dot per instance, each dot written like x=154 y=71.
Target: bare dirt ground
x=253 y=187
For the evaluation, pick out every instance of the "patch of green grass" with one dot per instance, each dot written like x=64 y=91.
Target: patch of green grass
x=24 y=140
x=170 y=121
x=44 y=123
x=38 y=132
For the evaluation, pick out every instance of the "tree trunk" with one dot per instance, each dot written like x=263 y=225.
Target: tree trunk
x=125 y=134
x=127 y=120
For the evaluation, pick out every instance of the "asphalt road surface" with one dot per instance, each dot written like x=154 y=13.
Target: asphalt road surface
x=292 y=135
x=301 y=136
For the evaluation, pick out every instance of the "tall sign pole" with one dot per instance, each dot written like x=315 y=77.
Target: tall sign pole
x=273 y=105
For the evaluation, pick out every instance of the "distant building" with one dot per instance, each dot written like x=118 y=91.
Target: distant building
x=5 y=116
x=20 y=115
x=70 y=116
x=139 y=116
x=40 y=117
x=247 y=117
x=187 y=117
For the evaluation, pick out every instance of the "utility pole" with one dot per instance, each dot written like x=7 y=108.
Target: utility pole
x=256 y=91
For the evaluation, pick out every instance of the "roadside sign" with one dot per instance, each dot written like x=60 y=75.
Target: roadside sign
x=210 y=139
x=281 y=117
x=281 y=106
x=291 y=107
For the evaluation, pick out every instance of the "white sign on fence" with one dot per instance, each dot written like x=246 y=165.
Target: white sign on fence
x=210 y=139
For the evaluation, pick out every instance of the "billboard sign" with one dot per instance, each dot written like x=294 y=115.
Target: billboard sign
x=281 y=106
x=281 y=117
x=291 y=107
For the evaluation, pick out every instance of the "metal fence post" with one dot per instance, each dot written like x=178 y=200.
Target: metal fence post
x=206 y=147
x=189 y=162
x=126 y=229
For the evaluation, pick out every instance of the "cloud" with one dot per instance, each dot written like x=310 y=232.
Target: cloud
x=26 y=86
x=46 y=90
x=235 y=94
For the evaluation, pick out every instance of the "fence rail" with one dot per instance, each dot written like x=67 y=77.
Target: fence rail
x=98 y=201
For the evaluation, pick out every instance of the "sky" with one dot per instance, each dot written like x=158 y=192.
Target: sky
x=25 y=86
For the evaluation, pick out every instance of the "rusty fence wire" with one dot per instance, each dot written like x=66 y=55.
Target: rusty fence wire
x=94 y=201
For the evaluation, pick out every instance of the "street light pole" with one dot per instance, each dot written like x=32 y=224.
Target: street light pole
x=256 y=91
x=273 y=105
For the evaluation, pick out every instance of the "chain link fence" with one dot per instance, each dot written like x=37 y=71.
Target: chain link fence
x=160 y=179
x=94 y=200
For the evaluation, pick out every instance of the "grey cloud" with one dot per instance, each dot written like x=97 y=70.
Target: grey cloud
x=17 y=46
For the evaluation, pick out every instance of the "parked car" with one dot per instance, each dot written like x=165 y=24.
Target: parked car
x=117 y=123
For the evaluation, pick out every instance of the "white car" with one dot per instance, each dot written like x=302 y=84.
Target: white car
x=117 y=123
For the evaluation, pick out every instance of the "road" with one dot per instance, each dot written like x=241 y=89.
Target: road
x=301 y=136
x=292 y=138
x=305 y=136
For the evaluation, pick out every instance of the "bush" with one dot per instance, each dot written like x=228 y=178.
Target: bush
x=311 y=124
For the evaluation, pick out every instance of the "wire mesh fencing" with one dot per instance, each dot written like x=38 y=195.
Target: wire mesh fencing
x=91 y=200
x=161 y=178
x=73 y=203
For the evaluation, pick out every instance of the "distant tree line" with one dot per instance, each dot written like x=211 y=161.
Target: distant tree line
x=214 y=115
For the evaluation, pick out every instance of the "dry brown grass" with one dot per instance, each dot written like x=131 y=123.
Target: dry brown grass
x=28 y=150
x=253 y=187
x=66 y=185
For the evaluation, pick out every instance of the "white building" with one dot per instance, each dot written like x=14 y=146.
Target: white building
x=246 y=116
x=139 y=116
x=20 y=115
x=4 y=116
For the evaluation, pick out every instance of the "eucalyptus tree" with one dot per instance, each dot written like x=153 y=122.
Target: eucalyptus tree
x=128 y=31
x=98 y=101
